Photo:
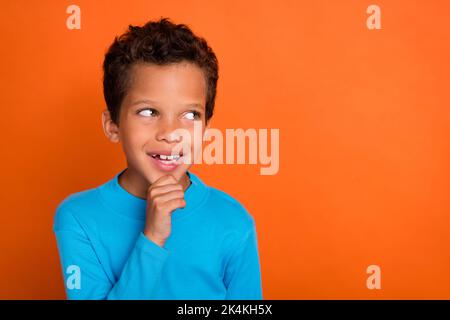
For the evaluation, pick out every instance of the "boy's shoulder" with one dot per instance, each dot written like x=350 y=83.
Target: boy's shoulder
x=83 y=206
x=229 y=208
x=225 y=199
x=69 y=210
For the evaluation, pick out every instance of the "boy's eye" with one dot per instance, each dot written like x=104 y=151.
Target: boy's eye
x=192 y=115
x=147 y=112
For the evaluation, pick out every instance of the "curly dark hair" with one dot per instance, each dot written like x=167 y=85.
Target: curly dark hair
x=157 y=42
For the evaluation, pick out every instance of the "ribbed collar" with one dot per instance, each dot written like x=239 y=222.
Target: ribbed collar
x=116 y=198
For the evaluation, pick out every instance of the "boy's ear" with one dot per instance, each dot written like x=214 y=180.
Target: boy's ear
x=109 y=127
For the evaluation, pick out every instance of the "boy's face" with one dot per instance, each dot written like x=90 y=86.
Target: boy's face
x=159 y=100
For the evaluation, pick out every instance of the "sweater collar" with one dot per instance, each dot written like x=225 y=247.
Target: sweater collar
x=122 y=202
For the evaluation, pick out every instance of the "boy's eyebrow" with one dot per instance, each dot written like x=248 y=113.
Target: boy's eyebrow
x=141 y=101
x=198 y=105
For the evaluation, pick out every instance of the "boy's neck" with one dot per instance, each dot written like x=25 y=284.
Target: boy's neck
x=137 y=185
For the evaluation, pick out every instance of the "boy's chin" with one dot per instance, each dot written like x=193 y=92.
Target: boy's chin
x=154 y=168
x=154 y=174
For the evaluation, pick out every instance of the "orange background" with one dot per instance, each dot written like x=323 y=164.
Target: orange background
x=364 y=127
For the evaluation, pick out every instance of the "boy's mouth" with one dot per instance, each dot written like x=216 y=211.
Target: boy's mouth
x=166 y=160
x=163 y=157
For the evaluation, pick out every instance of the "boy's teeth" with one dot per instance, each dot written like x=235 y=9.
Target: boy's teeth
x=164 y=157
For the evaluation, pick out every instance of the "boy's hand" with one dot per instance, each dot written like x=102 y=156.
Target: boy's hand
x=163 y=196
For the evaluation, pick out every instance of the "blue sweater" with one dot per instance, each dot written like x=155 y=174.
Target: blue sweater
x=211 y=253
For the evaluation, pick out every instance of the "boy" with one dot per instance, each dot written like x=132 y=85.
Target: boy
x=155 y=230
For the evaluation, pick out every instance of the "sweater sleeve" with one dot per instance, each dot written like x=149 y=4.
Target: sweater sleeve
x=243 y=275
x=84 y=276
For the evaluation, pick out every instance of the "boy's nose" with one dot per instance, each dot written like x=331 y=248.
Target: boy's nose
x=167 y=131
